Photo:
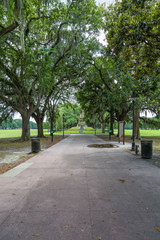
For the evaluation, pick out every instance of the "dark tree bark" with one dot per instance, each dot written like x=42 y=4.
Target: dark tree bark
x=51 y=122
x=8 y=29
x=38 y=117
x=136 y=120
x=102 y=121
x=103 y=126
x=111 y=121
x=25 y=127
x=40 y=128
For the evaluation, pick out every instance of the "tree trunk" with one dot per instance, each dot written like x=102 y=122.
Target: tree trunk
x=137 y=132
x=103 y=126
x=25 y=127
x=39 y=120
x=40 y=128
x=111 y=122
x=51 y=124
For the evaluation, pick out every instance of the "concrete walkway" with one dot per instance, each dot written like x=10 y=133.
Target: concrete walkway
x=72 y=192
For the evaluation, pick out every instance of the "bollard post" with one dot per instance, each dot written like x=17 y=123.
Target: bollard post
x=137 y=149
x=110 y=132
x=51 y=133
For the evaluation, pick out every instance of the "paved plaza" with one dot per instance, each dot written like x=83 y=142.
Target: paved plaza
x=73 y=192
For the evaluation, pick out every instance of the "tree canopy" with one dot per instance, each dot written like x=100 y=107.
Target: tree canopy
x=49 y=47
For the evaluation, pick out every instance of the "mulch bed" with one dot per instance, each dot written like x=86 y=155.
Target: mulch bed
x=102 y=146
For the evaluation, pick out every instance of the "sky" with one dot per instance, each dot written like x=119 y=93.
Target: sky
x=108 y=2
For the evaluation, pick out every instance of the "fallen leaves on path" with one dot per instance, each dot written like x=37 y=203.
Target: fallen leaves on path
x=122 y=180
x=112 y=212
x=65 y=226
x=157 y=228
x=37 y=234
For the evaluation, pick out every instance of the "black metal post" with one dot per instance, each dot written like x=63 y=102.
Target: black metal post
x=133 y=131
x=109 y=136
x=63 y=125
x=95 y=128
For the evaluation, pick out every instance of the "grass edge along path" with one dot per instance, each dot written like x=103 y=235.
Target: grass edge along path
x=16 y=133
x=10 y=144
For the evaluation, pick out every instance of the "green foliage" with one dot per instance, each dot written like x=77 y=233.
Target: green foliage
x=153 y=123
x=43 y=35
x=6 y=112
x=59 y=123
x=46 y=125
x=132 y=31
x=71 y=114
x=106 y=89
x=33 y=125
x=15 y=124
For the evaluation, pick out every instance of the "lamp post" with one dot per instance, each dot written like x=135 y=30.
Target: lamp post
x=63 y=125
x=51 y=136
x=133 y=96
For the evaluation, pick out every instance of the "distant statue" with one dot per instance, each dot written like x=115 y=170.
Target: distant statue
x=81 y=115
x=81 y=129
x=81 y=122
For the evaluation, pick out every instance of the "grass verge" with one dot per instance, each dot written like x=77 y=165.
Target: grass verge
x=12 y=148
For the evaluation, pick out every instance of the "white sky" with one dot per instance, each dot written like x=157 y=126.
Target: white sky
x=108 y=2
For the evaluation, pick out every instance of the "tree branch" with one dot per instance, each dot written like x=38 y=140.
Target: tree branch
x=58 y=36
x=8 y=29
x=34 y=18
x=11 y=75
x=101 y=76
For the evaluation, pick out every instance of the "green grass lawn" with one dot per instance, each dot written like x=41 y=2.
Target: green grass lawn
x=75 y=130
x=15 y=133
x=145 y=133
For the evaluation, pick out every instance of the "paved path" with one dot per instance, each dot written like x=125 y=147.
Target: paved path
x=72 y=192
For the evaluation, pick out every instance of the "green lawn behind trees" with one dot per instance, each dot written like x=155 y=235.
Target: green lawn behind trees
x=16 y=133
x=15 y=124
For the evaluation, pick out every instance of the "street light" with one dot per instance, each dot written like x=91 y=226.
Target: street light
x=133 y=96
x=95 y=127
x=63 y=125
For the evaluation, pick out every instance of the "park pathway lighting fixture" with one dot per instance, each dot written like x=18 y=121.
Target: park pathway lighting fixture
x=133 y=97
x=95 y=127
x=63 y=125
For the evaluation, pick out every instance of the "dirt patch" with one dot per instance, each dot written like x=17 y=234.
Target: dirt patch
x=13 y=152
x=102 y=146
